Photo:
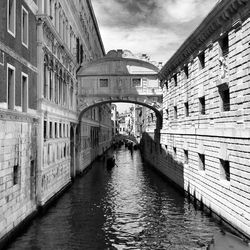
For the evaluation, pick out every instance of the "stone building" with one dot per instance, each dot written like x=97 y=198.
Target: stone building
x=18 y=108
x=114 y=118
x=95 y=134
x=68 y=37
x=205 y=139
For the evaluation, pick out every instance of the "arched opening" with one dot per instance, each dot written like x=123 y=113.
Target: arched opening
x=155 y=108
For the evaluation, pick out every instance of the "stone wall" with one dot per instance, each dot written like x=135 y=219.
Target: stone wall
x=17 y=171
x=205 y=140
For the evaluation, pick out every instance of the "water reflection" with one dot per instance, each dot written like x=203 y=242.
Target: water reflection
x=129 y=207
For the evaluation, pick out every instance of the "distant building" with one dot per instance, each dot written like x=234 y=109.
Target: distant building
x=114 y=118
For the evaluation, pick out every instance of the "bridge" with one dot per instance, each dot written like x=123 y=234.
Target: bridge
x=119 y=77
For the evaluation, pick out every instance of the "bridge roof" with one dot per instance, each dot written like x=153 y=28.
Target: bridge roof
x=118 y=63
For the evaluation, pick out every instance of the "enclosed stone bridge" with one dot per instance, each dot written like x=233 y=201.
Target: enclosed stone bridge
x=119 y=77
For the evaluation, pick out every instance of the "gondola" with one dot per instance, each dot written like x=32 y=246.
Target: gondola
x=110 y=163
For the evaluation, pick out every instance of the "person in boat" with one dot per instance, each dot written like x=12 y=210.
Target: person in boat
x=111 y=162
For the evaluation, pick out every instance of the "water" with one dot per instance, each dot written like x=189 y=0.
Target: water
x=129 y=207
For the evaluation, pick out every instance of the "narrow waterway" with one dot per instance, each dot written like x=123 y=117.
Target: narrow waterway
x=128 y=207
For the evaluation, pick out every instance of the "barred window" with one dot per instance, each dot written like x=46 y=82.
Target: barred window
x=104 y=83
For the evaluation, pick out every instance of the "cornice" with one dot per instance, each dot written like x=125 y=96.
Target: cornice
x=224 y=11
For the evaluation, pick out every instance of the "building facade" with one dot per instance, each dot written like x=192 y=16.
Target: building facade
x=205 y=139
x=42 y=46
x=95 y=135
x=68 y=37
x=18 y=108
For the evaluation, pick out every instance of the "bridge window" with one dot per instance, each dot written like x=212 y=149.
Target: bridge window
x=225 y=170
x=104 y=83
x=202 y=162
x=202 y=105
x=201 y=58
x=136 y=82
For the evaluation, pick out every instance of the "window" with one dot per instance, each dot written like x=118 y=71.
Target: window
x=45 y=129
x=60 y=130
x=104 y=83
x=175 y=112
x=1 y=58
x=175 y=152
x=136 y=82
x=175 y=79
x=185 y=157
x=24 y=27
x=186 y=71
x=224 y=45
x=152 y=117
x=202 y=162
x=225 y=99
x=202 y=105
x=24 y=90
x=10 y=86
x=201 y=58
x=56 y=135
x=15 y=174
x=225 y=170
x=167 y=114
x=166 y=85
x=186 y=106
x=50 y=130
x=11 y=17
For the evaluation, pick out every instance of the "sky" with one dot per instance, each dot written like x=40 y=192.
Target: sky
x=153 y=27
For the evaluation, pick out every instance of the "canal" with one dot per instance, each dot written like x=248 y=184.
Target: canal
x=128 y=207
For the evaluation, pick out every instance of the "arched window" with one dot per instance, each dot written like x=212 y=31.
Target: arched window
x=60 y=86
x=51 y=73
x=71 y=94
x=45 y=77
x=64 y=89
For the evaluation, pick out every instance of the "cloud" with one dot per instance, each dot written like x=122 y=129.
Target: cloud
x=155 y=27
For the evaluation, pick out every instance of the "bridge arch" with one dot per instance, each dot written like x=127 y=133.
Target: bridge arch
x=119 y=77
x=146 y=103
